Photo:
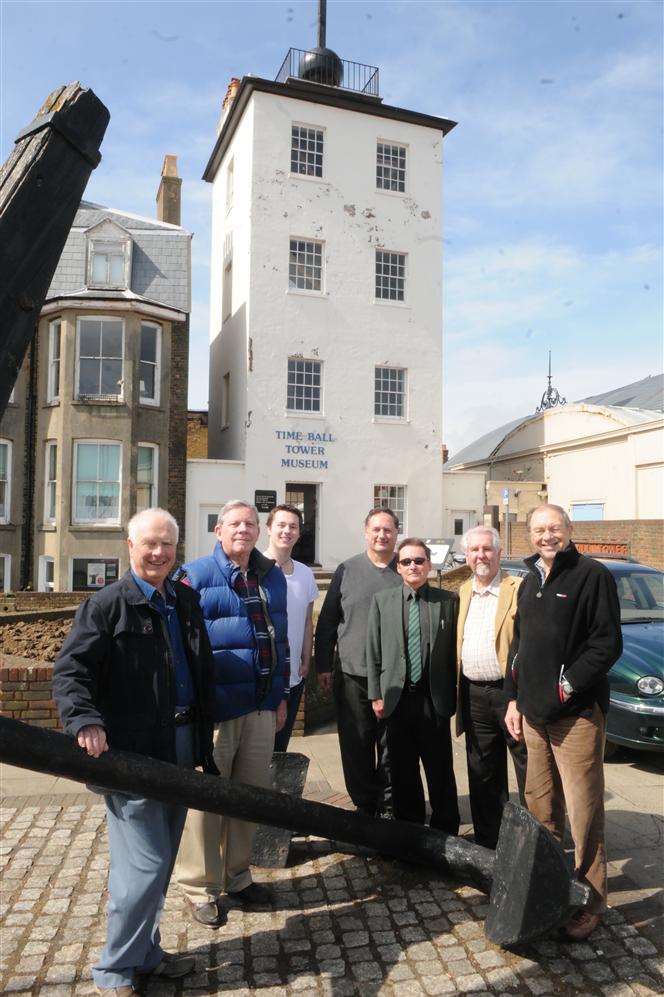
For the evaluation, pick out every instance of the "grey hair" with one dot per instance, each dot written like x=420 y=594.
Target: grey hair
x=495 y=536
x=136 y=522
x=236 y=504
x=554 y=508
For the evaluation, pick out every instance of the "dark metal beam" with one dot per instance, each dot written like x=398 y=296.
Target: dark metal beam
x=531 y=889
x=41 y=185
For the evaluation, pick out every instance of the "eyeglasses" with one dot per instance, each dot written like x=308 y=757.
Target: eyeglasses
x=412 y=560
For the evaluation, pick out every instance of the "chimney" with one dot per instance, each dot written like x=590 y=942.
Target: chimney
x=227 y=102
x=168 y=195
x=445 y=453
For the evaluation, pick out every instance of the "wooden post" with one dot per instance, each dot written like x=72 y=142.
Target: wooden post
x=41 y=185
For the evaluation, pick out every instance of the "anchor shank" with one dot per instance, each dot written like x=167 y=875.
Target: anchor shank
x=55 y=753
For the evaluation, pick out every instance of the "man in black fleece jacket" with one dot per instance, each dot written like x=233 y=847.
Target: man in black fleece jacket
x=566 y=638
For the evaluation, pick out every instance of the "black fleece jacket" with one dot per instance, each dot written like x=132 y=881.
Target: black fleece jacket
x=569 y=626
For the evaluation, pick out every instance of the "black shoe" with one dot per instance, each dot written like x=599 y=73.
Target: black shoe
x=172 y=966
x=253 y=895
x=210 y=914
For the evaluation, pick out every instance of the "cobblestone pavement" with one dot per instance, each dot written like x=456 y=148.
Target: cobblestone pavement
x=341 y=924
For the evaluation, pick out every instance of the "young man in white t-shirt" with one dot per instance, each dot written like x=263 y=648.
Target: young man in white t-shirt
x=284 y=524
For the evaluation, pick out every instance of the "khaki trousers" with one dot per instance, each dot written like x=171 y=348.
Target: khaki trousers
x=215 y=851
x=566 y=769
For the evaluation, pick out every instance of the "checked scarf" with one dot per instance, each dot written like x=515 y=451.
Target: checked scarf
x=246 y=587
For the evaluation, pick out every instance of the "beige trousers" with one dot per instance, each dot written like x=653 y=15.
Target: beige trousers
x=566 y=769
x=215 y=851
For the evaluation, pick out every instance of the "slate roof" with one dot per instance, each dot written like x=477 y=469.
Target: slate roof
x=643 y=399
x=161 y=258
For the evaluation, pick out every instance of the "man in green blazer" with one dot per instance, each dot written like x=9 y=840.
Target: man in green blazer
x=411 y=670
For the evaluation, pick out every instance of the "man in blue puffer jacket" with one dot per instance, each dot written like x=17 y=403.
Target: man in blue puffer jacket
x=243 y=599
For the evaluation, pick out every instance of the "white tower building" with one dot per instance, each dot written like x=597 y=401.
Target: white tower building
x=326 y=306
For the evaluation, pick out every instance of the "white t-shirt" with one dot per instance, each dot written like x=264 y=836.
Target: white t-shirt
x=302 y=590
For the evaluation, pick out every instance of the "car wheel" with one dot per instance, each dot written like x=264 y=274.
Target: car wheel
x=610 y=750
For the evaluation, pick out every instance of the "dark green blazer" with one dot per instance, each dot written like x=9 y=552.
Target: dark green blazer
x=386 y=648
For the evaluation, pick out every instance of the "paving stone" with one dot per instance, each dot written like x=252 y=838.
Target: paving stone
x=600 y=972
x=470 y=984
x=453 y=952
x=355 y=939
x=640 y=946
x=502 y=979
x=458 y=968
x=19 y=984
x=618 y=990
x=626 y=968
x=334 y=967
x=407 y=988
x=412 y=934
x=61 y=974
x=440 y=984
x=422 y=951
x=488 y=959
x=365 y=971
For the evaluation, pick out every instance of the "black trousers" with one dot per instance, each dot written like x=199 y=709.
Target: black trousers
x=362 y=743
x=487 y=744
x=282 y=737
x=415 y=732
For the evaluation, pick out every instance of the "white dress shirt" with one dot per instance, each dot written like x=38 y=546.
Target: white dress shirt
x=479 y=661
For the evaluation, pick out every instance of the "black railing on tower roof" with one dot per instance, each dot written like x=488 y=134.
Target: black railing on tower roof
x=323 y=66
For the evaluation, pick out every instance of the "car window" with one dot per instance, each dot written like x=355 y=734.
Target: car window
x=641 y=593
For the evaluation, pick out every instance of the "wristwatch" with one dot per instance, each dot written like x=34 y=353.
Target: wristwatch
x=566 y=686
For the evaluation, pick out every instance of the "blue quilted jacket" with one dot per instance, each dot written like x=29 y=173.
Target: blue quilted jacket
x=234 y=649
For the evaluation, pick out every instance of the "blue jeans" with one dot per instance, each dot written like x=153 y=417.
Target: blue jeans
x=143 y=839
x=282 y=737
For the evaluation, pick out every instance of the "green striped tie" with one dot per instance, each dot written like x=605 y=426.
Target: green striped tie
x=414 y=642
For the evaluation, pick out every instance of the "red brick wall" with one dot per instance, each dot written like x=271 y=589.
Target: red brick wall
x=26 y=691
x=644 y=538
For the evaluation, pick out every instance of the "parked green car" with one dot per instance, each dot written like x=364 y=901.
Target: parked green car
x=636 y=710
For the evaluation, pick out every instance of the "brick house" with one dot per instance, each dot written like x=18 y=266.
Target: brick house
x=96 y=427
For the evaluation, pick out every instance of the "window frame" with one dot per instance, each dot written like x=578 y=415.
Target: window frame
x=380 y=416
x=229 y=193
x=584 y=505
x=387 y=300
x=50 y=484
x=156 y=401
x=226 y=400
x=95 y=523
x=7 y=584
x=378 y=501
x=298 y=174
x=155 y=475
x=99 y=399
x=125 y=244
x=309 y=291
x=227 y=280
x=45 y=559
x=397 y=145
x=7 y=517
x=53 y=396
x=305 y=411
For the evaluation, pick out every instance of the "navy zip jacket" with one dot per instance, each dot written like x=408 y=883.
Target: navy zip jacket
x=569 y=626
x=234 y=648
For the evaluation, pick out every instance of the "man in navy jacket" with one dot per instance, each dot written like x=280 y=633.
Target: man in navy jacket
x=243 y=598
x=566 y=638
x=135 y=672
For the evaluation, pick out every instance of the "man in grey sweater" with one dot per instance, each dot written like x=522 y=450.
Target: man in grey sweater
x=342 y=627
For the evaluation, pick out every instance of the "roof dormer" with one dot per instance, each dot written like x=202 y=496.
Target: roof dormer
x=108 y=260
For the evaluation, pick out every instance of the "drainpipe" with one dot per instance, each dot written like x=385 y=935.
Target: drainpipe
x=29 y=468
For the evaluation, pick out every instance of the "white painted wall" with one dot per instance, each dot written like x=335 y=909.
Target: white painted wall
x=464 y=496
x=343 y=326
x=210 y=484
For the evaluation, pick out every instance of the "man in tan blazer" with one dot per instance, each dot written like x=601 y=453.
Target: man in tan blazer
x=487 y=606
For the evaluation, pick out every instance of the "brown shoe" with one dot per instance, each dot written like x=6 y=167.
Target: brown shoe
x=581 y=925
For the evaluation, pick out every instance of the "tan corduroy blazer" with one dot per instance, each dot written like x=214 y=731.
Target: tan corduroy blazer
x=505 y=613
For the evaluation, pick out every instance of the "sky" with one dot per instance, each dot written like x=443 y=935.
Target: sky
x=552 y=177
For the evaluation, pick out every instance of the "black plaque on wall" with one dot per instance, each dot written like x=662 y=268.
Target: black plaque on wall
x=265 y=501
